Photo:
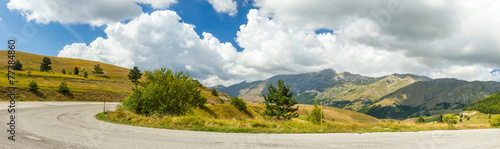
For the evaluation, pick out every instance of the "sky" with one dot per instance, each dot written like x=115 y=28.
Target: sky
x=223 y=42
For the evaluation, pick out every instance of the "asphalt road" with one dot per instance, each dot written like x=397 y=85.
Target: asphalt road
x=72 y=125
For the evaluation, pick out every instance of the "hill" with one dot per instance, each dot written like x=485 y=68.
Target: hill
x=489 y=105
x=393 y=96
x=111 y=86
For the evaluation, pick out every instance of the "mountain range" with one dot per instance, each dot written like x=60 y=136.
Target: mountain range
x=396 y=96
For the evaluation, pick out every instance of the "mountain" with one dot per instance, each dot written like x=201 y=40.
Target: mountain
x=393 y=96
x=111 y=86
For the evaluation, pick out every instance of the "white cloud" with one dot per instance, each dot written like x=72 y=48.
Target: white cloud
x=424 y=38
x=225 y=6
x=157 y=40
x=93 y=12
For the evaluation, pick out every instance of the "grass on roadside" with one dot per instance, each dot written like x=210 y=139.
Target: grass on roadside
x=223 y=118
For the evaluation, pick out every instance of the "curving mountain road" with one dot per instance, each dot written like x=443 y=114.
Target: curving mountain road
x=72 y=125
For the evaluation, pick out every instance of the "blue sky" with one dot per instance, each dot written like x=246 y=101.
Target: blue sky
x=227 y=41
x=48 y=37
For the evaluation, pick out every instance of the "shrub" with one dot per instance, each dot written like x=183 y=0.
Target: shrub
x=450 y=118
x=164 y=92
x=63 y=71
x=495 y=122
x=316 y=115
x=63 y=88
x=238 y=103
x=214 y=92
x=421 y=119
x=18 y=65
x=33 y=86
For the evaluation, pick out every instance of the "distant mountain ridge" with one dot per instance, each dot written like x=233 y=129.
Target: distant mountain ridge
x=411 y=95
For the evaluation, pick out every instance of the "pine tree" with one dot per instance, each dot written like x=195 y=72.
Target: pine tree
x=45 y=65
x=134 y=75
x=280 y=101
x=85 y=74
x=33 y=86
x=18 y=65
x=63 y=71
x=76 y=71
x=98 y=70
x=440 y=118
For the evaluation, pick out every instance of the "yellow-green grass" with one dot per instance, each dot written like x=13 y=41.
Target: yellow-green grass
x=477 y=120
x=227 y=118
x=112 y=86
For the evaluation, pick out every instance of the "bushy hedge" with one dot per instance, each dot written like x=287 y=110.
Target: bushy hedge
x=238 y=103
x=165 y=93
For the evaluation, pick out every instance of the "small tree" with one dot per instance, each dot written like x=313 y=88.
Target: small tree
x=45 y=65
x=134 y=75
x=280 y=101
x=238 y=103
x=18 y=65
x=76 y=71
x=85 y=74
x=98 y=70
x=63 y=88
x=33 y=86
x=63 y=71
x=316 y=116
x=29 y=73
x=421 y=119
x=214 y=92
x=489 y=117
x=468 y=118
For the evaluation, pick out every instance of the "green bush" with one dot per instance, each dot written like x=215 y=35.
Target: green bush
x=315 y=116
x=421 y=119
x=450 y=118
x=63 y=88
x=33 y=86
x=165 y=93
x=63 y=71
x=238 y=103
x=214 y=92
x=85 y=74
x=495 y=122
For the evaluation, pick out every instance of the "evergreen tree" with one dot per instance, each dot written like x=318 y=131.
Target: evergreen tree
x=63 y=71
x=45 y=65
x=316 y=116
x=18 y=65
x=134 y=75
x=280 y=101
x=76 y=71
x=98 y=70
x=85 y=74
x=63 y=88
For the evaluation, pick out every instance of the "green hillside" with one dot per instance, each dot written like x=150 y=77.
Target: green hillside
x=111 y=86
x=488 y=105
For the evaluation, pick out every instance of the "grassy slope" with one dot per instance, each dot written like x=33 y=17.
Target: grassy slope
x=490 y=104
x=226 y=118
x=112 y=86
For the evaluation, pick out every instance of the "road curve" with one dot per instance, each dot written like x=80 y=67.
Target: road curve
x=72 y=125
